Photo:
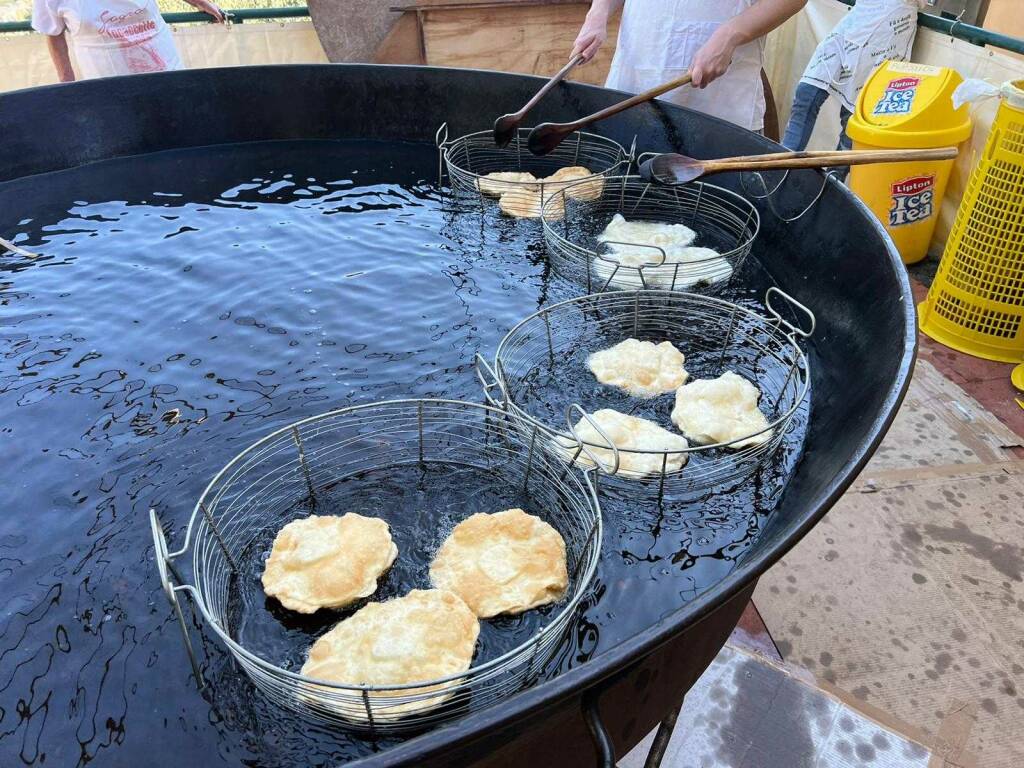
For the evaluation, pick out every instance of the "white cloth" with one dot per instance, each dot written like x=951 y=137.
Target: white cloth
x=657 y=42
x=874 y=31
x=110 y=37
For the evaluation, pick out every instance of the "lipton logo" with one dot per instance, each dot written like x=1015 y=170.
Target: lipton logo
x=898 y=97
x=913 y=200
x=913 y=186
x=903 y=83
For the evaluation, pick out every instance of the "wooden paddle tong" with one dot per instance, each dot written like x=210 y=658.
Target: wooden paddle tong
x=546 y=136
x=674 y=169
x=505 y=127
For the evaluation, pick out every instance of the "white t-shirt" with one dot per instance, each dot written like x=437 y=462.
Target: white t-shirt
x=110 y=37
x=873 y=32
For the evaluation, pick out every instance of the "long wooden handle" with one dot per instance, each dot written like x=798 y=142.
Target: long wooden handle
x=632 y=101
x=826 y=159
x=559 y=76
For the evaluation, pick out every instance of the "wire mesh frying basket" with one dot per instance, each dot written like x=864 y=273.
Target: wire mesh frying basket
x=540 y=377
x=722 y=226
x=469 y=159
x=340 y=460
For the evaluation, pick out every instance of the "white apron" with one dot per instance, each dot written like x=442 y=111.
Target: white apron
x=111 y=37
x=874 y=31
x=657 y=42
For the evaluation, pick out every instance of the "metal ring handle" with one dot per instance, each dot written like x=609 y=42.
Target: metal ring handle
x=770 y=193
x=165 y=568
x=643 y=156
x=8 y=245
x=437 y=136
x=583 y=446
x=483 y=368
x=632 y=154
x=773 y=291
x=767 y=192
x=658 y=248
x=161 y=556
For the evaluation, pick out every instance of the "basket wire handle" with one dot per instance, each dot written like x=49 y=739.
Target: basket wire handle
x=165 y=567
x=658 y=248
x=485 y=371
x=794 y=330
x=582 y=447
x=441 y=139
x=8 y=245
x=768 y=195
x=631 y=157
x=617 y=265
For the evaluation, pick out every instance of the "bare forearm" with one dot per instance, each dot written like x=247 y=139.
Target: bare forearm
x=603 y=9
x=58 y=45
x=760 y=19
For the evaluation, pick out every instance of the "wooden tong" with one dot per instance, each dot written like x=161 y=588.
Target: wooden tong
x=546 y=136
x=505 y=127
x=675 y=169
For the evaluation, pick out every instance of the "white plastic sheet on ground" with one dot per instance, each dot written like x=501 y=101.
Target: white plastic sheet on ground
x=790 y=47
x=25 y=61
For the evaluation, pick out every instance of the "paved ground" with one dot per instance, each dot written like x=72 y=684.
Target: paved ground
x=910 y=593
x=907 y=600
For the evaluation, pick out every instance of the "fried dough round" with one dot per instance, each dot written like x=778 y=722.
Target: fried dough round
x=328 y=561
x=630 y=434
x=567 y=178
x=425 y=635
x=498 y=183
x=526 y=204
x=710 y=411
x=640 y=368
x=507 y=562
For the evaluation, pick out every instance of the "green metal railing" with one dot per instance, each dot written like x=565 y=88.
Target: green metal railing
x=237 y=17
x=966 y=32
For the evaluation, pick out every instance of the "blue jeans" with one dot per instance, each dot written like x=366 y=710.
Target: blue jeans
x=807 y=103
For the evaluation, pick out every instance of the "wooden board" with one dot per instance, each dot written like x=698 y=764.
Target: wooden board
x=528 y=38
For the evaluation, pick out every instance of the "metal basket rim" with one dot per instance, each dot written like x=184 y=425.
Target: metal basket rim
x=802 y=363
x=448 y=144
x=549 y=229
x=584 y=578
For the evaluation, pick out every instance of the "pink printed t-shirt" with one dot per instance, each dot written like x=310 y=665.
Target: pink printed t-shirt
x=110 y=37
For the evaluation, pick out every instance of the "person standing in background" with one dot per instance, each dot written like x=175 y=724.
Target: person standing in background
x=721 y=42
x=873 y=32
x=110 y=37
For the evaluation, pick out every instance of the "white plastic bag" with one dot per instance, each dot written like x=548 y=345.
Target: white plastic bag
x=972 y=90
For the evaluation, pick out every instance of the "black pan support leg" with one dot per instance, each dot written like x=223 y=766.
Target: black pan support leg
x=602 y=741
x=662 y=737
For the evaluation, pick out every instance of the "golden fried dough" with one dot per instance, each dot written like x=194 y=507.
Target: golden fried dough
x=641 y=368
x=567 y=178
x=498 y=183
x=507 y=562
x=328 y=562
x=526 y=204
x=425 y=635
x=631 y=435
x=718 y=410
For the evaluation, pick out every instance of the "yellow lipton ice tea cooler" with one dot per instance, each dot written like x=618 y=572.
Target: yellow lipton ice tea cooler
x=907 y=106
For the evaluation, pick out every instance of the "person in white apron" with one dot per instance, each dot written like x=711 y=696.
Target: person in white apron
x=720 y=41
x=873 y=32
x=109 y=37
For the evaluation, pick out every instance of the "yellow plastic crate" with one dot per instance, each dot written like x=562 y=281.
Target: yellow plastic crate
x=976 y=304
